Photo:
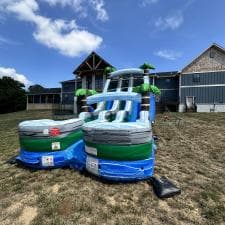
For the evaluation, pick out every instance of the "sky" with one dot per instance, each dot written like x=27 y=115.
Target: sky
x=43 y=41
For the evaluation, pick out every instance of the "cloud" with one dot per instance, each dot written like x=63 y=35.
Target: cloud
x=81 y=7
x=6 y=41
x=11 y=72
x=77 y=5
x=168 y=54
x=98 y=6
x=3 y=40
x=145 y=3
x=172 y=22
x=65 y=36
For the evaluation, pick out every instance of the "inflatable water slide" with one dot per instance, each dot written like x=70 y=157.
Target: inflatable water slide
x=115 y=144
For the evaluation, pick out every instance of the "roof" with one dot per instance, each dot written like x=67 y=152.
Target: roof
x=46 y=91
x=95 y=63
x=166 y=74
x=214 y=45
x=67 y=81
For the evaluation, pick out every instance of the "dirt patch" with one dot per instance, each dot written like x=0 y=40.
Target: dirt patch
x=14 y=207
x=111 y=200
x=28 y=214
x=55 y=188
x=65 y=207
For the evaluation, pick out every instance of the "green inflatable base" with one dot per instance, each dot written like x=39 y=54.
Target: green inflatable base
x=32 y=144
x=120 y=152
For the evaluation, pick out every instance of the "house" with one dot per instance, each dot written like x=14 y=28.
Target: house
x=89 y=74
x=202 y=82
x=200 y=85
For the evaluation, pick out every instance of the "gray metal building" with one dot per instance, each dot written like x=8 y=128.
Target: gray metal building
x=202 y=82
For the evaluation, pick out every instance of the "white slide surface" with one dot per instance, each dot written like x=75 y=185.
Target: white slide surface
x=122 y=114
x=115 y=107
x=100 y=105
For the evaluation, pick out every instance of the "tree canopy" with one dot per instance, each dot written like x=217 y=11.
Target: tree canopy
x=12 y=95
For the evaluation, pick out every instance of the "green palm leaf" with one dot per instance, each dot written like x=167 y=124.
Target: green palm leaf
x=145 y=88
x=147 y=66
x=81 y=92
x=84 y=92
x=137 y=89
x=109 y=69
x=155 y=90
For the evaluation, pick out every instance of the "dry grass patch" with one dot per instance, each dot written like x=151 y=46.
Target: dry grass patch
x=192 y=155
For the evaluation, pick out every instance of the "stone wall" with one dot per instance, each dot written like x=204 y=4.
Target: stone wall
x=211 y=60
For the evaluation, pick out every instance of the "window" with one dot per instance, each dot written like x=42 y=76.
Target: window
x=167 y=80
x=196 y=78
x=138 y=81
x=98 y=82
x=212 y=54
x=113 y=85
x=79 y=84
x=88 y=82
x=125 y=84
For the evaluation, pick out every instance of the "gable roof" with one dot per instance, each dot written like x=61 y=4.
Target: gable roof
x=93 y=62
x=214 y=45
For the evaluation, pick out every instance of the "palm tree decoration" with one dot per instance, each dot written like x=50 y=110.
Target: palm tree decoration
x=83 y=93
x=109 y=69
x=146 y=88
x=146 y=67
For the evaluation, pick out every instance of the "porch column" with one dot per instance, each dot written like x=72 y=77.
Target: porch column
x=75 y=105
x=75 y=87
x=93 y=82
x=84 y=82
x=27 y=103
x=104 y=79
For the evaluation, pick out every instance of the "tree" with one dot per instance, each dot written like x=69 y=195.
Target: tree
x=12 y=95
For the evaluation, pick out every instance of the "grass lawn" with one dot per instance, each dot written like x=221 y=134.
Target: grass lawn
x=191 y=154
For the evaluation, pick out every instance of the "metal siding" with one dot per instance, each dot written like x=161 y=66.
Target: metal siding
x=169 y=96
x=205 y=78
x=205 y=95
x=163 y=83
